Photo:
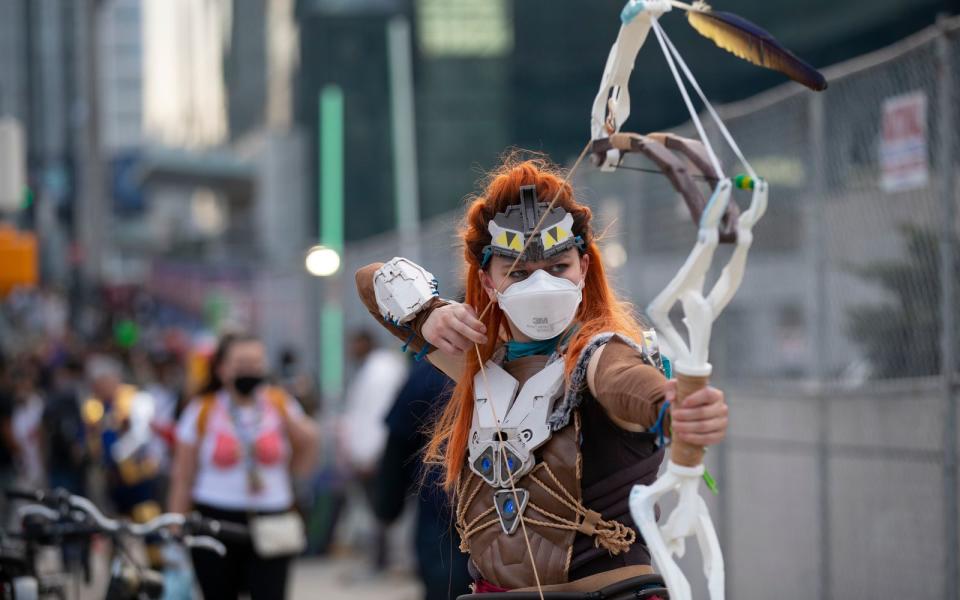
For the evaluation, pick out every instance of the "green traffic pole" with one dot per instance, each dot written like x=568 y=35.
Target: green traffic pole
x=331 y=144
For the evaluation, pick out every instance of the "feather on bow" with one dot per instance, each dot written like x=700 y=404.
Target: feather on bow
x=749 y=42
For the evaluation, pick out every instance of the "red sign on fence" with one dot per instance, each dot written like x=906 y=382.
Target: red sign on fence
x=903 y=143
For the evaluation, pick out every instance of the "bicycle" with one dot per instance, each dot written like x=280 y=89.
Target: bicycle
x=53 y=518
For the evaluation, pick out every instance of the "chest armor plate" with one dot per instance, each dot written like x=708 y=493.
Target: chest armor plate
x=522 y=419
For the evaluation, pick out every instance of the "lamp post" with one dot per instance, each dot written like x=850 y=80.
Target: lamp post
x=323 y=261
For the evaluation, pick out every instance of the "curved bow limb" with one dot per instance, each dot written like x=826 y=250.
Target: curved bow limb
x=732 y=274
x=687 y=285
x=611 y=107
x=690 y=517
x=713 y=567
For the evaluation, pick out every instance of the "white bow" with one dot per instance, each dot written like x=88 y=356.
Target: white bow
x=610 y=109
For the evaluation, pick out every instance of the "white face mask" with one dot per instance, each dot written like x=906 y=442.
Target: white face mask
x=541 y=306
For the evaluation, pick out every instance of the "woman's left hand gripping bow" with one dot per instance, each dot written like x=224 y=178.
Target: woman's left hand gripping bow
x=702 y=420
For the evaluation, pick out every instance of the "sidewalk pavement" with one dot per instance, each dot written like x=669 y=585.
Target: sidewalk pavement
x=346 y=579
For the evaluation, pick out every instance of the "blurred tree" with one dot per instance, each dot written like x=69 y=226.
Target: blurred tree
x=902 y=338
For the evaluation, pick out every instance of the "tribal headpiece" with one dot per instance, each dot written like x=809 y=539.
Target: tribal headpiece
x=510 y=230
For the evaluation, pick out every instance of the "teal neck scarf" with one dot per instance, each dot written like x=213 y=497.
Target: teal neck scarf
x=517 y=349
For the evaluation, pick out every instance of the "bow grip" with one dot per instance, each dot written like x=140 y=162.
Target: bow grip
x=683 y=453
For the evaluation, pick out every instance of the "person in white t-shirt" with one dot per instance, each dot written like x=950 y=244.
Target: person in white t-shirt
x=363 y=435
x=238 y=447
x=368 y=398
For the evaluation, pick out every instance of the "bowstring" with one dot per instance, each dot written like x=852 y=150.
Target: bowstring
x=483 y=371
x=656 y=171
x=513 y=486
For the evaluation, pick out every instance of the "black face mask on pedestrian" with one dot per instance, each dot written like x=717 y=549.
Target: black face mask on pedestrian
x=246 y=383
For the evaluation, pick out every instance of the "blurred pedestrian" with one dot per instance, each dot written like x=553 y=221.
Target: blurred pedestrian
x=165 y=383
x=239 y=446
x=7 y=445
x=296 y=381
x=118 y=420
x=27 y=428
x=440 y=564
x=327 y=492
x=369 y=396
x=65 y=439
x=66 y=448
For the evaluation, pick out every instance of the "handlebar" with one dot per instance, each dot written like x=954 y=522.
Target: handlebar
x=90 y=509
x=64 y=514
x=40 y=496
x=38 y=510
x=205 y=542
x=165 y=521
x=224 y=530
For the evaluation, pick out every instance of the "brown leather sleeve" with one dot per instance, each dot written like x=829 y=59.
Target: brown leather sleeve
x=364 y=278
x=627 y=387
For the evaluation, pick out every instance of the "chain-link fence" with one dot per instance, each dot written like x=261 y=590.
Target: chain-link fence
x=839 y=477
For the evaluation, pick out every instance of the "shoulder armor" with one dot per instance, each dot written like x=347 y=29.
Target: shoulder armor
x=649 y=349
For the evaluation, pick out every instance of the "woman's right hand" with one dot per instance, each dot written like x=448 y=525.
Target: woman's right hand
x=454 y=328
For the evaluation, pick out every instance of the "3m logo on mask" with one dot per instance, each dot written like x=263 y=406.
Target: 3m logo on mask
x=541 y=321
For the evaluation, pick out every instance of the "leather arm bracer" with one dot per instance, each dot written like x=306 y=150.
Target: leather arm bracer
x=404 y=314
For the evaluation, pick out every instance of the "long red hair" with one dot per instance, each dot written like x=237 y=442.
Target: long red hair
x=600 y=311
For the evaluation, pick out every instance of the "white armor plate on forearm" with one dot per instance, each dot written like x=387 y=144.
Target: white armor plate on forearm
x=403 y=288
x=523 y=421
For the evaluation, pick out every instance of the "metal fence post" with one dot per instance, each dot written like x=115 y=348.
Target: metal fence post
x=819 y=330
x=948 y=355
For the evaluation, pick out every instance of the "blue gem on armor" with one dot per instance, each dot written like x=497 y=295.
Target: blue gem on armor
x=510 y=463
x=485 y=464
x=510 y=505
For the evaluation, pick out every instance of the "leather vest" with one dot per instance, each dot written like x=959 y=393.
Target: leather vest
x=572 y=532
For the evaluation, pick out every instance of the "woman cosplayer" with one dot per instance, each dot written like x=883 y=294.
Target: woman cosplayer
x=558 y=387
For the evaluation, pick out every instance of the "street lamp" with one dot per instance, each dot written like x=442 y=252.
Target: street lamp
x=322 y=261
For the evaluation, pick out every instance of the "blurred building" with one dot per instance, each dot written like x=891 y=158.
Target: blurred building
x=162 y=151
x=45 y=83
x=465 y=89
x=223 y=230
x=462 y=85
x=121 y=52
x=345 y=43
